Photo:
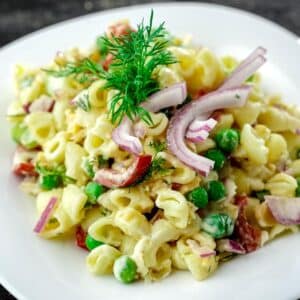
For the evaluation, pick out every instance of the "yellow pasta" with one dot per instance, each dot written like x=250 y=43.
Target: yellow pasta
x=278 y=120
x=133 y=197
x=41 y=125
x=101 y=259
x=132 y=222
x=73 y=158
x=73 y=201
x=200 y=267
x=282 y=184
x=158 y=126
x=174 y=206
x=55 y=148
x=254 y=146
x=106 y=231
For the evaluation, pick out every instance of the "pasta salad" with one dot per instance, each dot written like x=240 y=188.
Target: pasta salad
x=155 y=153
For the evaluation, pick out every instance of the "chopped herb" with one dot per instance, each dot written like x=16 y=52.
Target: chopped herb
x=158 y=164
x=260 y=195
x=84 y=103
x=223 y=257
x=88 y=167
x=158 y=146
x=59 y=173
x=158 y=167
x=237 y=96
x=135 y=56
x=251 y=78
x=102 y=162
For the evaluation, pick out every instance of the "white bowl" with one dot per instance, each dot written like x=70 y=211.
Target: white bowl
x=35 y=269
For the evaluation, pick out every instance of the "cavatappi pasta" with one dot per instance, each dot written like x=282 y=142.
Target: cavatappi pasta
x=173 y=217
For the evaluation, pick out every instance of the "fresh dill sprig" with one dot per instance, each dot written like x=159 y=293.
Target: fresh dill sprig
x=135 y=57
x=83 y=71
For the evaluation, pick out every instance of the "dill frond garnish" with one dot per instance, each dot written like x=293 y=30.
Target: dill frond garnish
x=85 y=70
x=135 y=57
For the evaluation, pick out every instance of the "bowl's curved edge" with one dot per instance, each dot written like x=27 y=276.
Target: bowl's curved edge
x=153 y=5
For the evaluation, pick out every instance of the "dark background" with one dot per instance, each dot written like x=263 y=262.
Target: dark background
x=19 y=17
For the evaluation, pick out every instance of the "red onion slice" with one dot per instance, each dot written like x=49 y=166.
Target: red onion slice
x=139 y=129
x=202 y=251
x=124 y=134
x=199 y=130
x=45 y=216
x=234 y=97
x=124 y=137
x=227 y=245
x=113 y=178
x=42 y=104
x=259 y=51
x=246 y=69
x=286 y=211
x=171 y=96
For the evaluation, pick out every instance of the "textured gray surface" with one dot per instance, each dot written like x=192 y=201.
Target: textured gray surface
x=17 y=19
x=20 y=17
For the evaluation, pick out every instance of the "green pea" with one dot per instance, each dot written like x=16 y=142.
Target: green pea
x=217 y=156
x=125 y=269
x=93 y=190
x=260 y=195
x=198 y=197
x=51 y=181
x=218 y=225
x=215 y=190
x=27 y=139
x=17 y=131
x=227 y=139
x=91 y=243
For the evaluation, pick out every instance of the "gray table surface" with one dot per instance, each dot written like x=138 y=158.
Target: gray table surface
x=18 y=18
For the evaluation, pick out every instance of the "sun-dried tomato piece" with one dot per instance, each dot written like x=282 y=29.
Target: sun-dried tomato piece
x=80 y=237
x=245 y=233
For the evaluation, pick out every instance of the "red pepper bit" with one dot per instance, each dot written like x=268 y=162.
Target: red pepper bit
x=116 y=30
x=80 y=235
x=176 y=186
